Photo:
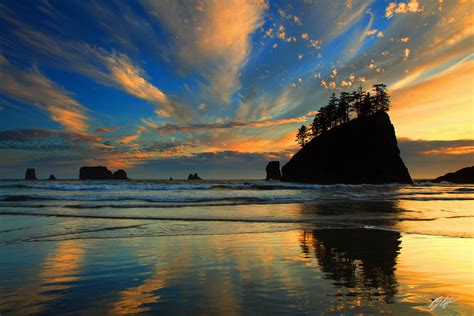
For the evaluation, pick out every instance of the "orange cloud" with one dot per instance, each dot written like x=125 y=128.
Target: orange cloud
x=33 y=88
x=460 y=150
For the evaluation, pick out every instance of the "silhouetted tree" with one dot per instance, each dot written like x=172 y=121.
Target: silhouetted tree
x=357 y=97
x=343 y=107
x=381 y=99
x=331 y=111
x=316 y=128
x=338 y=110
x=366 y=107
x=302 y=135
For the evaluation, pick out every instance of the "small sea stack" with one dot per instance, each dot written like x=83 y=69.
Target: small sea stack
x=194 y=177
x=463 y=176
x=30 y=174
x=273 y=170
x=120 y=175
x=52 y=177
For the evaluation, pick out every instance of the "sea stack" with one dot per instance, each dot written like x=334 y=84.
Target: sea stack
x=194 y=177
x=273 y=170
x=52 y=177
x=30 y=174
x=120 y=175
x=361 y=151
x=464 y=176
x=95 y=173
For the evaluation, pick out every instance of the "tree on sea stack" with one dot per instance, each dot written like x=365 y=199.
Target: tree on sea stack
x=381 y=99
x=302 y=135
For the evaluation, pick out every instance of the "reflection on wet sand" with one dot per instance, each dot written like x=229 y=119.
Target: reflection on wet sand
x=361 y=263
x=58 y=272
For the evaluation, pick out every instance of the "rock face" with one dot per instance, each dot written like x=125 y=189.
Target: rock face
x=464 y=175
x=52 y=177
x=362 y=151
x=95 y=173
x=30 y=174
x=194 y=177
x=120 y=175
x=273 y=170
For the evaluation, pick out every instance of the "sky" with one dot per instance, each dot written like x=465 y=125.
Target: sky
x=164 y=88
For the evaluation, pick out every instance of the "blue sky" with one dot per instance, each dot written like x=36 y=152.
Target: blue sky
x=165 y=88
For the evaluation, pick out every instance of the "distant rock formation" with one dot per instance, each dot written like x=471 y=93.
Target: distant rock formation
x=95 y=173
x=363 y=150
x=194 y=177
x=52 y=177
x=273 y=170
x=120 y=175
x=171 y=178
x=30 y=174
x=464 y=175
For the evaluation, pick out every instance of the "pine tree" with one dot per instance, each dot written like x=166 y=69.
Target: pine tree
x=381 y=98
x=343 y=107
x=302 y=135
x=357 y=97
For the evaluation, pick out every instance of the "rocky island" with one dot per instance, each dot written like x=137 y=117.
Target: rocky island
x=101 y=173
x=30 y=174
x=463 y=176
x=347 y=148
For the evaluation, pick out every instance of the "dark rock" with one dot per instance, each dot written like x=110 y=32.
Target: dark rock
x=52 y=177
x=171 y=178
x=362 y=151
x=95 y=173
x=273 y=170
x=464 y=175
x=30 y=174
x=120 y=175
x=194 y=177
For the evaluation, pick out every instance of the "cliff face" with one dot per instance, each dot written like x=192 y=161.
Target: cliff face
x=464 y=175
x=362 y=151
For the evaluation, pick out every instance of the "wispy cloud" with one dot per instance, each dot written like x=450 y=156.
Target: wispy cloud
x=31 y=87
x=206 y=41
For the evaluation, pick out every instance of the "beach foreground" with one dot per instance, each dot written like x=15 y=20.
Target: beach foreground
x=235 y=247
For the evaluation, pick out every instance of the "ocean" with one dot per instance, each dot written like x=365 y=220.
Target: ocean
x=235 y=247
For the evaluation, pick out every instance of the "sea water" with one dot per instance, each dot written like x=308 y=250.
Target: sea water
x=235 y=247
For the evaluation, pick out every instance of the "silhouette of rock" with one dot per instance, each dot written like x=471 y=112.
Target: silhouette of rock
x=120 y=175
x=363 y=150
x=52 y=177
x=95 y=173
x=30 y=174
x=464 y=175
x=194 y=177
x=171 y=178
x=273 y=170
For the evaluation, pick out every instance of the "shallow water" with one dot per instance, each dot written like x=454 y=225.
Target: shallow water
x=234 y=247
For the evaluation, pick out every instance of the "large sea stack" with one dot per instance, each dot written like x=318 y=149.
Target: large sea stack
x=464 y=175
x=30 y=174
x=273 y=170
x=362 y=151
x=95 y=173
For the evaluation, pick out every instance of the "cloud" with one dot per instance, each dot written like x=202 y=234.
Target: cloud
x=432 y=158
x=411 y=6
x=206 y=41
x=33 y=88
x=457 y=150
x=173 y=128
x=44 y=139
x=105 y=67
